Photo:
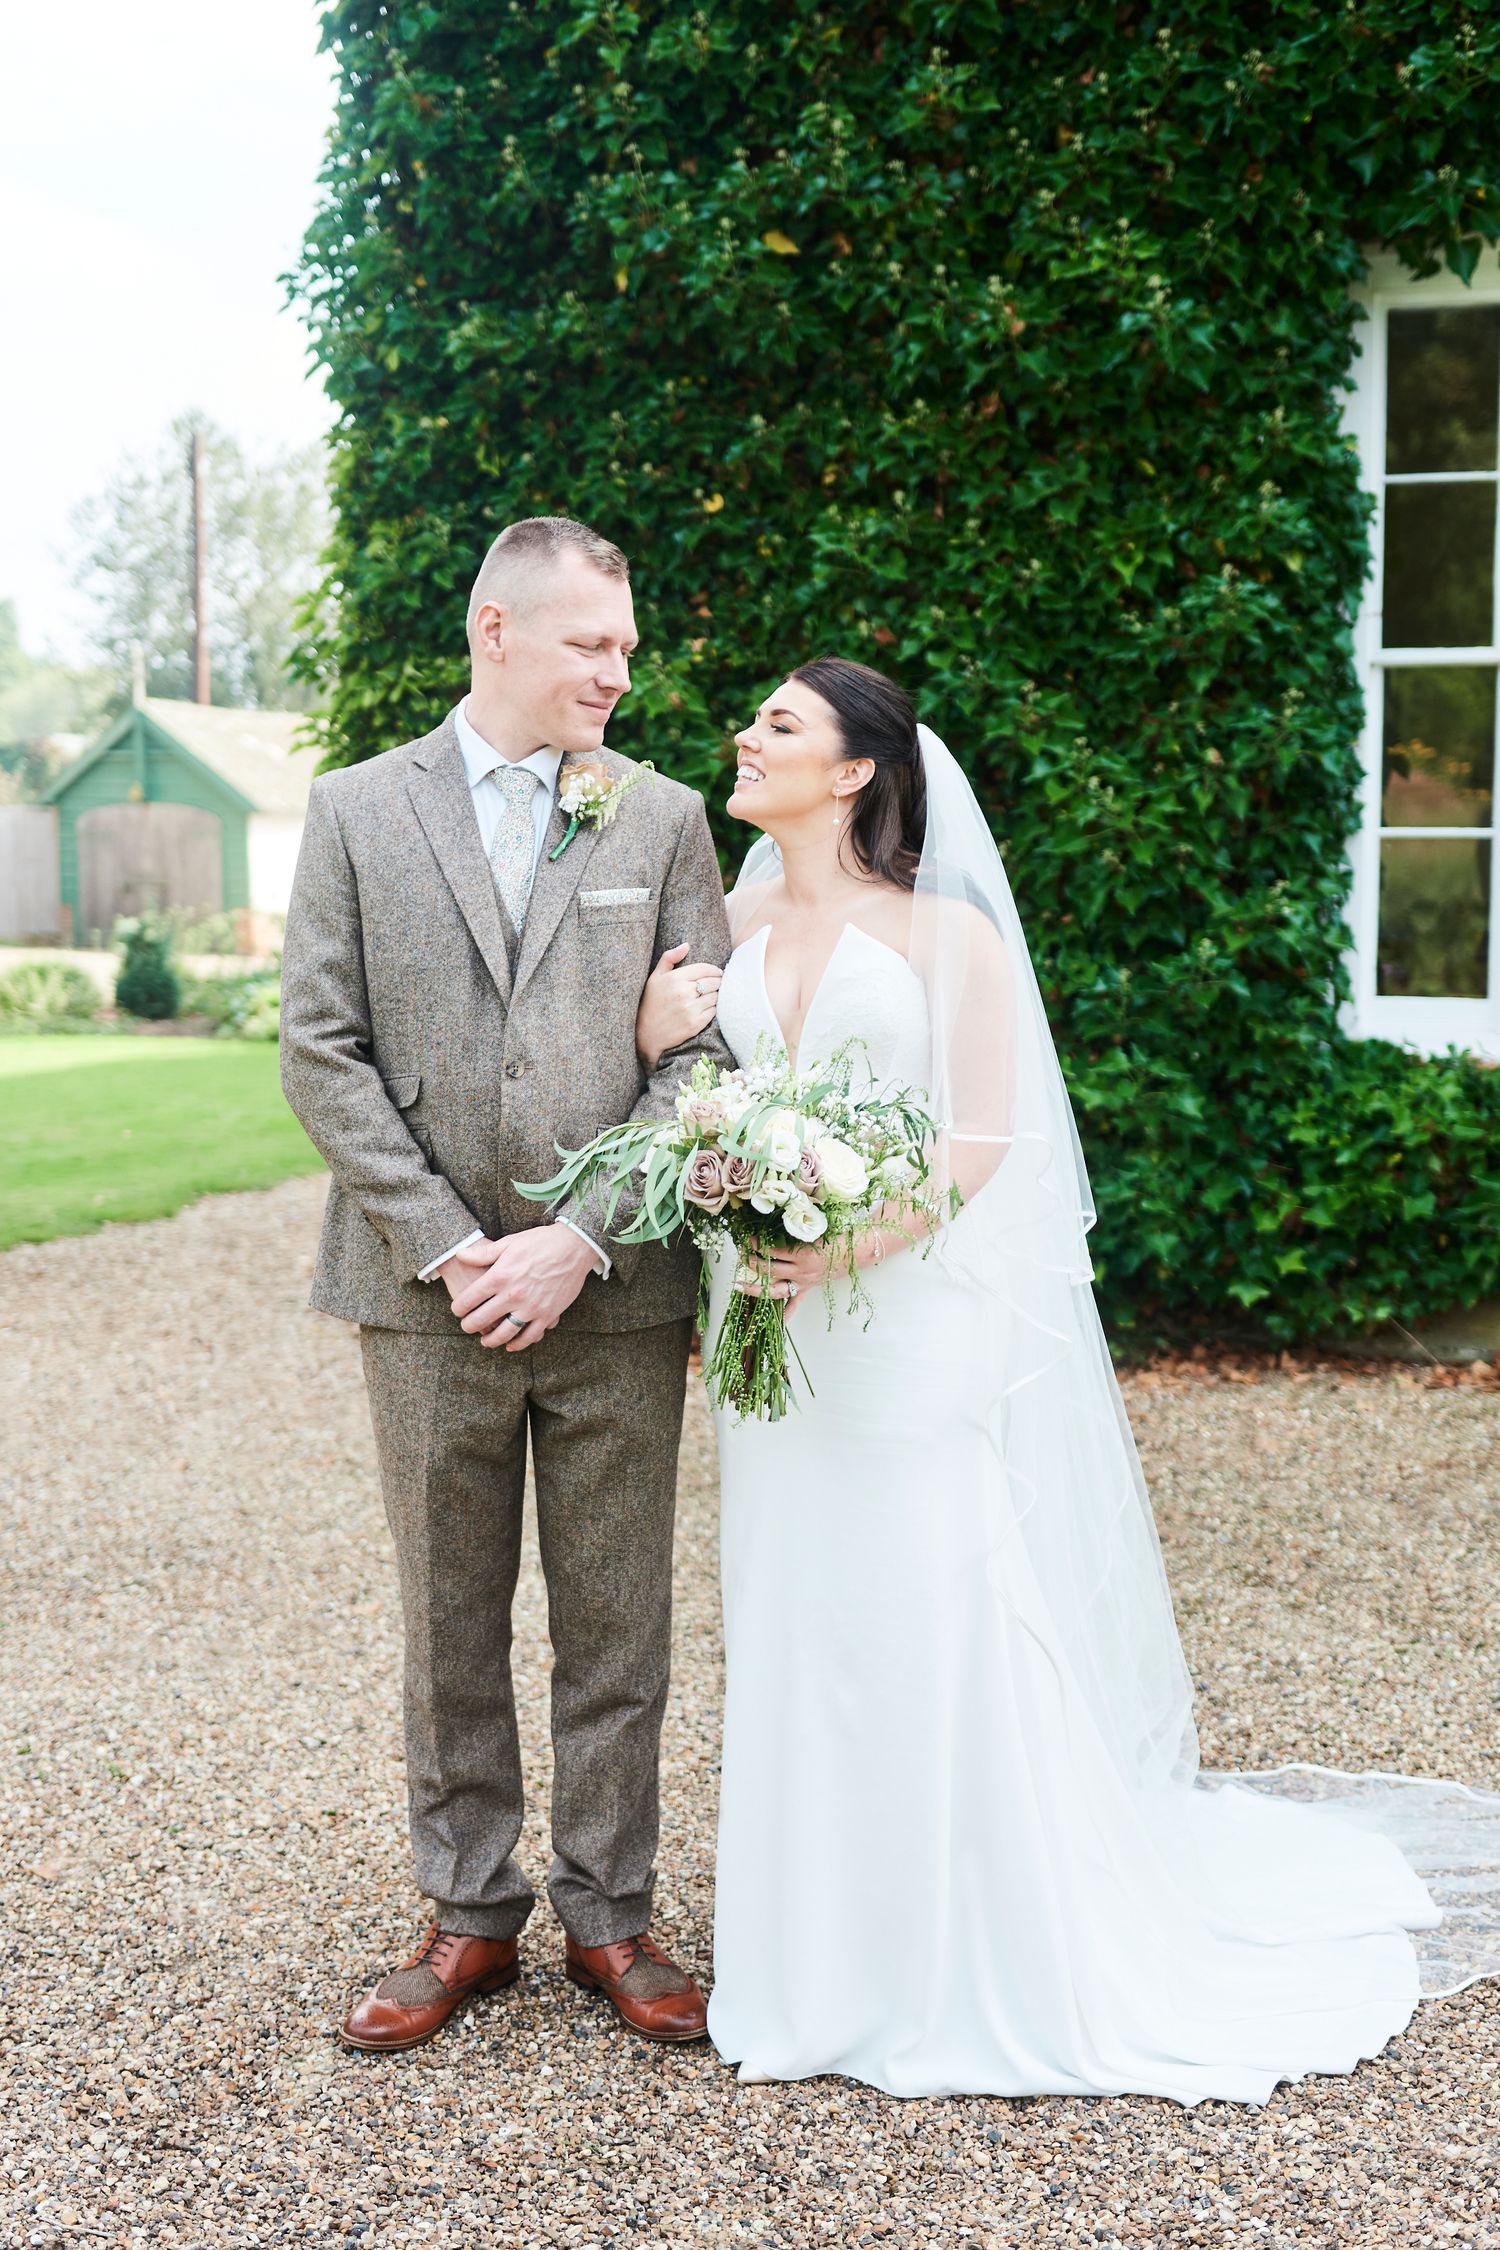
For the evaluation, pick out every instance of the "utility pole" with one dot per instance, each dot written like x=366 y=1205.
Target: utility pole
x=200 y=623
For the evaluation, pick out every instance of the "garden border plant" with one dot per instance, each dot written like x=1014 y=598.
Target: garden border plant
x=1001 y=345
x=148 y=985
x=47 y=996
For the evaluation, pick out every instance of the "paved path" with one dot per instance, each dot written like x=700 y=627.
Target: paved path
x=202 y=1857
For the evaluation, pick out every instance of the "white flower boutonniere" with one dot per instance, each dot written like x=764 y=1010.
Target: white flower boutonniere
x=590 y=799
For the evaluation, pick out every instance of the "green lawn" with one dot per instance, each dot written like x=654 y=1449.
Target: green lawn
x=120 y=1127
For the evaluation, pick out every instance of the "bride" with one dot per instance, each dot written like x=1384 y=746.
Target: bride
x=964 y=1845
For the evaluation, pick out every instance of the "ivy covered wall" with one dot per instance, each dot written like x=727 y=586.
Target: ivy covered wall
x=1001 y=346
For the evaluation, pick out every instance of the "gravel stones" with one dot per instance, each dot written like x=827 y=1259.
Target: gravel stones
x=202 y=1849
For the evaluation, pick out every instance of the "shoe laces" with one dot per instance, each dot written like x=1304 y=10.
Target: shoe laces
x=646 y=1944
x=438 y=1951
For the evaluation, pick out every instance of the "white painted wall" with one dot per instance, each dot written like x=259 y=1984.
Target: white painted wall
x=272 y=846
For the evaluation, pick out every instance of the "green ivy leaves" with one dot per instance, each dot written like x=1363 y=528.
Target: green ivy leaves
x=1003 y=347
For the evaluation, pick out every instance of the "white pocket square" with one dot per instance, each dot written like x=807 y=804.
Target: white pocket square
x=613 y=898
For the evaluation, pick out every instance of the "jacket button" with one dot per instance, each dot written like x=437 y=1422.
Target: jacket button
x=514 y=1069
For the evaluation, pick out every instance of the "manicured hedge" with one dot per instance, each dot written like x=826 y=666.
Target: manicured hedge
x=1001 y=346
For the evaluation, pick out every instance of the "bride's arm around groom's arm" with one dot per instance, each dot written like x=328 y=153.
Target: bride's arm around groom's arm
x=692 y=913
x=327 y=1073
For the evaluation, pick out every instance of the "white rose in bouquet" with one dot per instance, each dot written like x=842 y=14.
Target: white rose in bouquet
x=844 y=1173
x=779 y=1140
x=773 y=1191
x=803 y=1221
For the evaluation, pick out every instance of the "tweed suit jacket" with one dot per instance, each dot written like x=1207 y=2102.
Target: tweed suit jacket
x=434 y=1062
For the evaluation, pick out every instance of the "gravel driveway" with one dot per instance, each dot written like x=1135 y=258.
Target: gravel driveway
x=203 y=1854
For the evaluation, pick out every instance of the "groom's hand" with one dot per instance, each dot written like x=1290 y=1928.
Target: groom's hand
x=528 y=1282
x=459 y=1272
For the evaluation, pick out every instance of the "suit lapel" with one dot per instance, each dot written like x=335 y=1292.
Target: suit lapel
x=443 y=803
x=553 y=887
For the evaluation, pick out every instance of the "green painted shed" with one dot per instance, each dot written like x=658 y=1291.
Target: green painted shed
x=182 y=805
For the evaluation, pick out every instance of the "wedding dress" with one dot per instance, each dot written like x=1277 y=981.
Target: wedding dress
x=964 y=1846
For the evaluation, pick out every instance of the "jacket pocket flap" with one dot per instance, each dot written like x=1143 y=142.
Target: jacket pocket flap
x=404 y=1091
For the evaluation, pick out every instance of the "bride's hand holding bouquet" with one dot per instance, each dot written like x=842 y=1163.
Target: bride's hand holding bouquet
x=792 y=1272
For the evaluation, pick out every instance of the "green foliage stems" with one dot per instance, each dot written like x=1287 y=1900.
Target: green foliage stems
x=1003 y=346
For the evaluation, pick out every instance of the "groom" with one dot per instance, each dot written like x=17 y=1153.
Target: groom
x=459 y=991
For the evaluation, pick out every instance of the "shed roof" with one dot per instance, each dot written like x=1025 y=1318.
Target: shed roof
x=252 y=750
x=249 y=754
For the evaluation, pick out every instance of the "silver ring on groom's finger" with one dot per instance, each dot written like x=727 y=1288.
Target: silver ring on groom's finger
x=516 y=1321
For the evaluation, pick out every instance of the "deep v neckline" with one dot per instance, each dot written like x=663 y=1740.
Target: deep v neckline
x=764 y=935
x=850 y=929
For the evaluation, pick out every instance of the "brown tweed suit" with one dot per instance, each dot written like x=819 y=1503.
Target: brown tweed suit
x=434 y=1063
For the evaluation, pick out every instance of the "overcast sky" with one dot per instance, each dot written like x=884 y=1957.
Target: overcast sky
x=157 y=168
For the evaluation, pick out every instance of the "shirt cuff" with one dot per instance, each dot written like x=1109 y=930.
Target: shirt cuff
x=604 y=1268
x=429 y=1272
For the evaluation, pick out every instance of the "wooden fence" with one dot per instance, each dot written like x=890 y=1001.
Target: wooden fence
x=30 y=903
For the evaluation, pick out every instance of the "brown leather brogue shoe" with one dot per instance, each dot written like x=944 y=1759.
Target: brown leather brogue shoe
x=650 y=1992
x=412 y=2004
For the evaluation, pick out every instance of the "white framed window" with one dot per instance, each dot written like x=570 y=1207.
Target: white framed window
x=1425 y=413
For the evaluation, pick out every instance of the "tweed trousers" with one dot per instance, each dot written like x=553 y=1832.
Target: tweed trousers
x=604 y=1417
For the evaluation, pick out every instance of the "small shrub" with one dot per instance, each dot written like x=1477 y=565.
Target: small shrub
x=244 y=1006
x=47 y=996
x=263 y=1017
x=147 y=984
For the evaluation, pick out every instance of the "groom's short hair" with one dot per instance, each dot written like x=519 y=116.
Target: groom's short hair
x=518 y=564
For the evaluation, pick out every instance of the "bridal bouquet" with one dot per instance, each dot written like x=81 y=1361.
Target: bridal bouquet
x=754 y=1161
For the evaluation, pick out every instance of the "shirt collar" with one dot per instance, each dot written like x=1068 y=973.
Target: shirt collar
x=481 y=759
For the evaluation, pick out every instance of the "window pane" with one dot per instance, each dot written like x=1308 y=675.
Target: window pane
x=1439 y=565
x=1439 y=746
x=1441 y=389
x=1434 y=918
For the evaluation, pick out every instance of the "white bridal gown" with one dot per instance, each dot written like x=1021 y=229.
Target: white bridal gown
x=931 y=1876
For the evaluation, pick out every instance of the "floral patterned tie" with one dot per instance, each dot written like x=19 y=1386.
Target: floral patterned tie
x=513 y=851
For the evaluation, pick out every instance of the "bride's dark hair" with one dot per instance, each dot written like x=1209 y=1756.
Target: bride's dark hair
x=877 y=721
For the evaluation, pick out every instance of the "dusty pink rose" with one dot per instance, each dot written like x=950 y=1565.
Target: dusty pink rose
x=738 y=1175
x=705 y=1182
x=809 y=1172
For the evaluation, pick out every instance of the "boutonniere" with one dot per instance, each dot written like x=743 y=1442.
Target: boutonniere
x=589 y=797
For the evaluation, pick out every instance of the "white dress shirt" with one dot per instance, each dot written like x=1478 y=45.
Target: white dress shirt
x=480 y=761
